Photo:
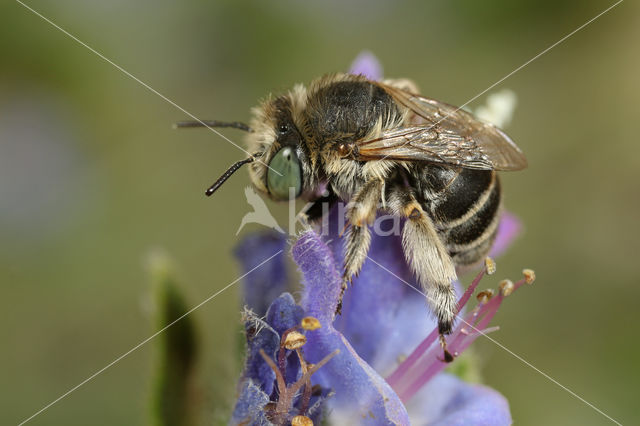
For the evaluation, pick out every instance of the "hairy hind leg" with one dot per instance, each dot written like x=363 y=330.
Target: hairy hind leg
x=427 y=257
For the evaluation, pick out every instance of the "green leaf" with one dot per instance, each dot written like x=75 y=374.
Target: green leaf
x=175 y=398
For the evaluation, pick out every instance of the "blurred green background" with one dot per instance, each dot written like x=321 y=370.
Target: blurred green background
x=92 y=177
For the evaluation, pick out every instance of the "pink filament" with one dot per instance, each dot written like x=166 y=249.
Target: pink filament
x=425 y=361
x=419 y=351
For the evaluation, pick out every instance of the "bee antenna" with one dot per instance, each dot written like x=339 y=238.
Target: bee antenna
x=226 y=175
x=213 y=123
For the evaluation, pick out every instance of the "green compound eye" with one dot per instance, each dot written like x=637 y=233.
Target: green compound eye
x=286 y=163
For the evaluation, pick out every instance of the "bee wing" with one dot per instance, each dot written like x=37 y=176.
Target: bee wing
x=445 y=134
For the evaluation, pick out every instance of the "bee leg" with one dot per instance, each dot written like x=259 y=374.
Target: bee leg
x=429 y=259
x=361 y=212
x=357 y=247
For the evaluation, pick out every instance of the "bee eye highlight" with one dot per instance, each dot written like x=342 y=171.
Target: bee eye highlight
x=284 y=173
x=283 y=128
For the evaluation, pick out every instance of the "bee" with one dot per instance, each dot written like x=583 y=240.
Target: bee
x=379 y=145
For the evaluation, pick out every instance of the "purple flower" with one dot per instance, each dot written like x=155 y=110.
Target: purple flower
x=383 y=320
x=263 y=399
x=508 y=229
x=368 y=65
x=268 y=281
x=380 y=362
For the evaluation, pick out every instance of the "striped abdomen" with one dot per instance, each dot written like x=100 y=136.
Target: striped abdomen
x=464 y=206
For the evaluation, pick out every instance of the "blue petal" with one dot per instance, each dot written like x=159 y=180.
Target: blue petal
x=368 y=65
x=447 y=400
x=284 y=313
x=316 y=410
x=259 y=336
x=268 y=281
x=362 y=395
x=249 y=408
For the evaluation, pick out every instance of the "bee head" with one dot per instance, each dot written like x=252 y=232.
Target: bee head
x=279 y=162
x=281 y=168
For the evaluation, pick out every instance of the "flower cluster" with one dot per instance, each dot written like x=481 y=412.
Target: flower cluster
x=381 y=361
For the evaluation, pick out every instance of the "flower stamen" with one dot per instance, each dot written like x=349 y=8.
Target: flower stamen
x=287 y=394
x=490 y=265
x=310 y=323
x=294 y=340
x=424 y=362
x=506 y=287
x=301 y=421
x=484 y=296
x=529 y=275
x=306 y=393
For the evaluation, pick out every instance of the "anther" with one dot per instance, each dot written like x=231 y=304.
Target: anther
x=490 y=265
x=310 y=323
x=301 y=421
x=506 y=287
x=529 y=276
x=294 y=340
x=485 y=296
